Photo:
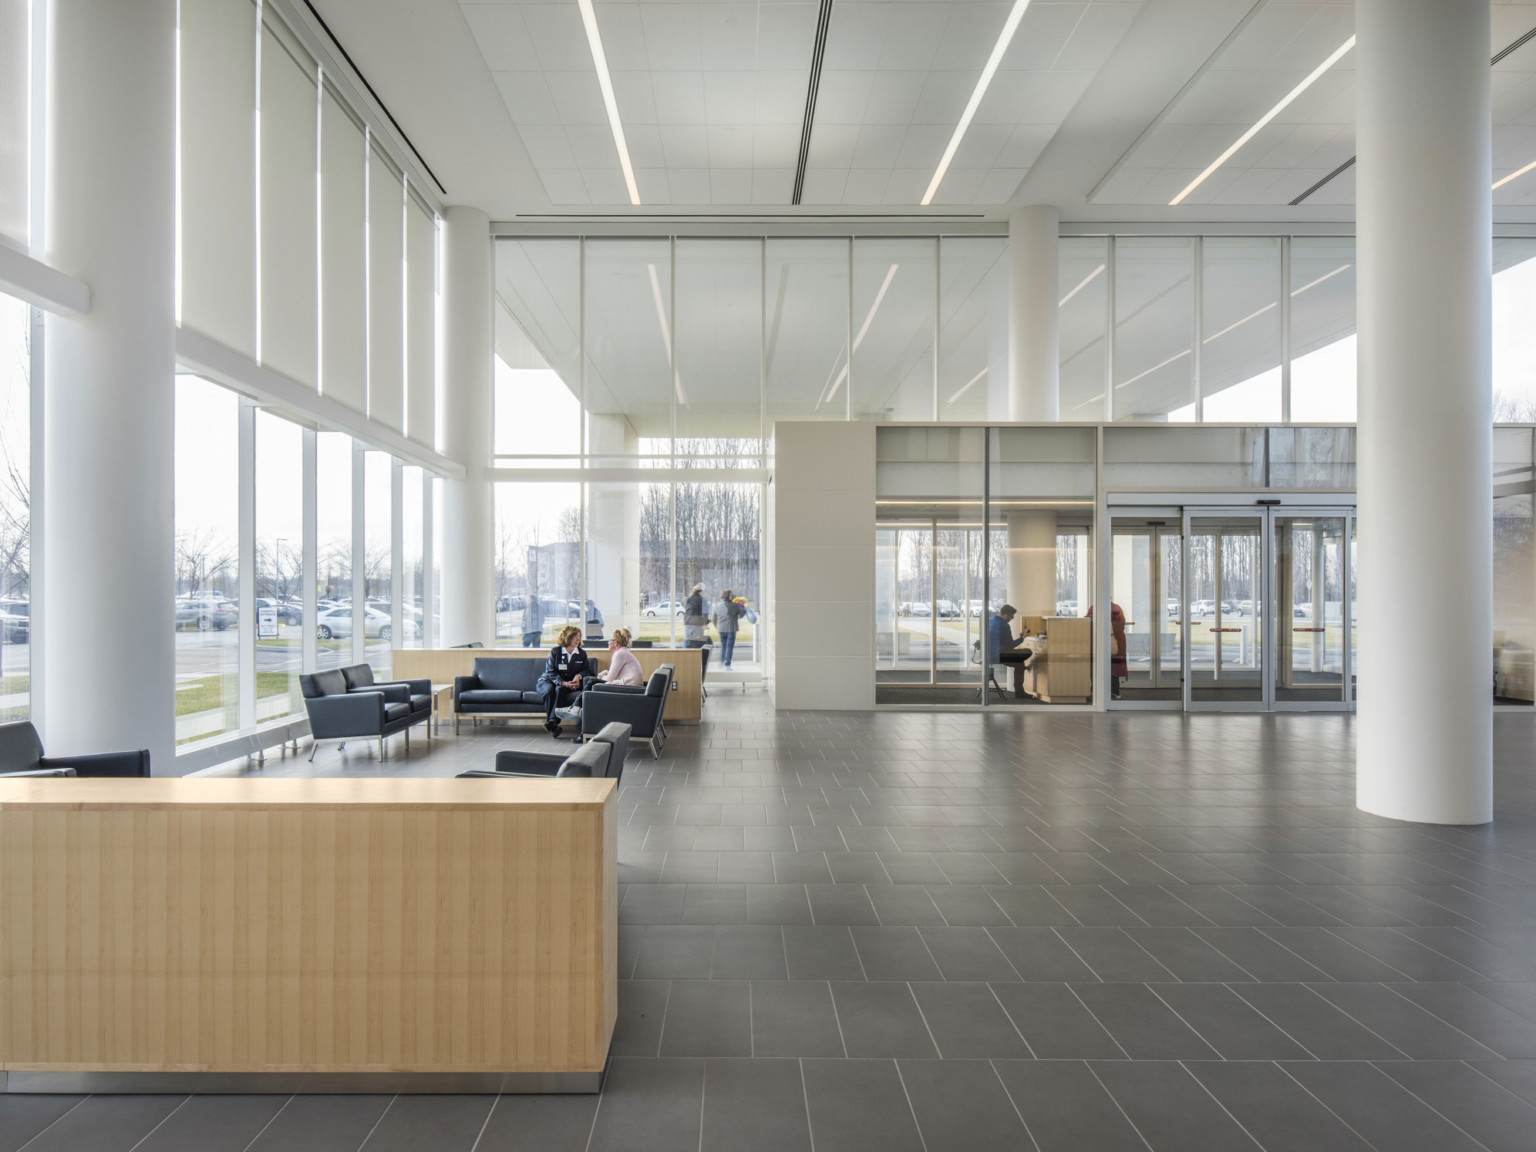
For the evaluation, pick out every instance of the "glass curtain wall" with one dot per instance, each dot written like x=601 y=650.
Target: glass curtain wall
x=973 y=325
x=207 y=510
x=15 y=508
x=1200 y=328
x=538 y=562
x=333 y=568
x=1514 y=569
x=279 y=567
x=210 y=558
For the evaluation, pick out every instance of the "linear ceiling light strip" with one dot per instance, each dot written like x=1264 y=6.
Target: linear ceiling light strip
x=1004 y=38
x=605 y=82
x=1348 y=164
x=818 y=53
x=1285 y=102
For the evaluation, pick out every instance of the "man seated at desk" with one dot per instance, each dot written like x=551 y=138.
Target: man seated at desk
x=1004 y=648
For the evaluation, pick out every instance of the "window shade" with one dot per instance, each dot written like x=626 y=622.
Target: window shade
x=421 y=321
x=290 y=305
x=14 y=75
x=218 y=170
x=343 y=286
x=386 y=291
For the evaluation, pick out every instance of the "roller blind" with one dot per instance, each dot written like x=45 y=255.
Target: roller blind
x=14 y=77
x=421 y=321
x=386 y=291
x=343 y=286
x=290 y=304
x=218 y=170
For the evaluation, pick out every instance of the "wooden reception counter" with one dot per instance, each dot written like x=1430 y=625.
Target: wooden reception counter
x=381 y=935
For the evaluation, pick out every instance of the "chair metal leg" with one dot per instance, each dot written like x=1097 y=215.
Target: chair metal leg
x=407 y=741
x=313 y=750
x=381 y=748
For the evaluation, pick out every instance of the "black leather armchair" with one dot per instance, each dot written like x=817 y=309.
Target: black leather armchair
x=340 y=714
x=21 y=753
x=643 y=709
x=416 y=693
x=590 y=760
x=519 y=763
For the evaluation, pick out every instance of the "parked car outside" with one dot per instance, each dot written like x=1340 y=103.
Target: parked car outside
x=206 y=612
x=336 y=624
x=16 y=621
x=948 y=609
x=665 y=608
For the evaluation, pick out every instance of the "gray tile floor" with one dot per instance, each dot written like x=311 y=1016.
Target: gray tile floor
x=935 y=932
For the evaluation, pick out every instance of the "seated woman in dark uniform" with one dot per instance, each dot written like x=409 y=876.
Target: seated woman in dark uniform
x=561 y=681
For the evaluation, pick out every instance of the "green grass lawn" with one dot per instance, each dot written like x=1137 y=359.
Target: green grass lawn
x=217 y=690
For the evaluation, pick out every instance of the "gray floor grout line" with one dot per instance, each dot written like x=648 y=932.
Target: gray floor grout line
x=1008 y=1016
x=269 y=1124
x=1014 y=1104
x=51 y=1123
x=916 y=1123
x=163 y=1121
x=1184 y=1066
x=486 y=1123
x=1095 y=1018
x=377 y=1122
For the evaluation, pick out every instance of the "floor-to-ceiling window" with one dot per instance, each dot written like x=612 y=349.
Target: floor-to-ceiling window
x=279 y=566
x=15 y=508
x=207 y=514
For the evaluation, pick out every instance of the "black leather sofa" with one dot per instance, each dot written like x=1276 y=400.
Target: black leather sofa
x=590 y=760
x=516 y=762
x=21 y=754
x=643 y=709
x=499 y=686
x=337 y=712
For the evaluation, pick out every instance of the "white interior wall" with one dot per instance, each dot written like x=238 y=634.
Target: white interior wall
x=824 y=565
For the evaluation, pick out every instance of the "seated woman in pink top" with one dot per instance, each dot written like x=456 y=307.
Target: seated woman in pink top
x=624 y=667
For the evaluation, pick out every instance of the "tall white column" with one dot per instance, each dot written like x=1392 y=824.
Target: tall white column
x=1034 y=371
x=1424 y=733
x=469 y=594
x=109 y=392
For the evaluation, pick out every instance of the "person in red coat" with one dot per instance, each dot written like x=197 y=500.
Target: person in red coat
x=1118 y=670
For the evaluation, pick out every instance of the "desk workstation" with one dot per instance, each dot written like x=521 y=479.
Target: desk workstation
x=307 y=935
x=1058 y=670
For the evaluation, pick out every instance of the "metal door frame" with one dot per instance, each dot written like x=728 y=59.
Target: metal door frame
x=1173 y=525
x=1263 y=602
x=1346 y=700
x=1266 y=515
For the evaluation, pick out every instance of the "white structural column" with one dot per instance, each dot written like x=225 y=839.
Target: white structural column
x=110 y=387
x=1034 y=373
x=469 y=597
x=1425 y=502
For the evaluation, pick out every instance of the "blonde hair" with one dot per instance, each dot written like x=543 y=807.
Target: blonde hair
x=621 y=637
x=566 y=633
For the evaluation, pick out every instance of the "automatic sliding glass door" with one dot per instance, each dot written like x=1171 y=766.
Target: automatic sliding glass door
x=1313 y=610
x=1226 y=595
x=1146 y=585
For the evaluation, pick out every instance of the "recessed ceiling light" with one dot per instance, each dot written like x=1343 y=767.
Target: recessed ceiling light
x=1010 y=26
x=1338 y=54
x=966 y=387
x=1497 y=184
x=605 y=82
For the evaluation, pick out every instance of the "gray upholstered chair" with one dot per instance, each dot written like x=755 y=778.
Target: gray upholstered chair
x=21 y=754
x=519 y=763
x=643 y=709
x=590 y=760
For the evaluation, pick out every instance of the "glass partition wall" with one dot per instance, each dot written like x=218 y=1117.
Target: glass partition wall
x=983 y=564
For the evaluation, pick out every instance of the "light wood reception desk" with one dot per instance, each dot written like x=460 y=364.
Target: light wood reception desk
x=307 y=935
x=441 y=665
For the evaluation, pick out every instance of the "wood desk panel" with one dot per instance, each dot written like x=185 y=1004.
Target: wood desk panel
x=307 y=925
x=441 y=665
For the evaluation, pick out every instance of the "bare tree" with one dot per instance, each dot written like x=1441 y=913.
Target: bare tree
x=205 y=562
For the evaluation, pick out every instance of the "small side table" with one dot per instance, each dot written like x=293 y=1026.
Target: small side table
x=442 y=701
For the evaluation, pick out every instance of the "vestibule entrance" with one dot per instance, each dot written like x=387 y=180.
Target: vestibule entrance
x=1235 y=607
